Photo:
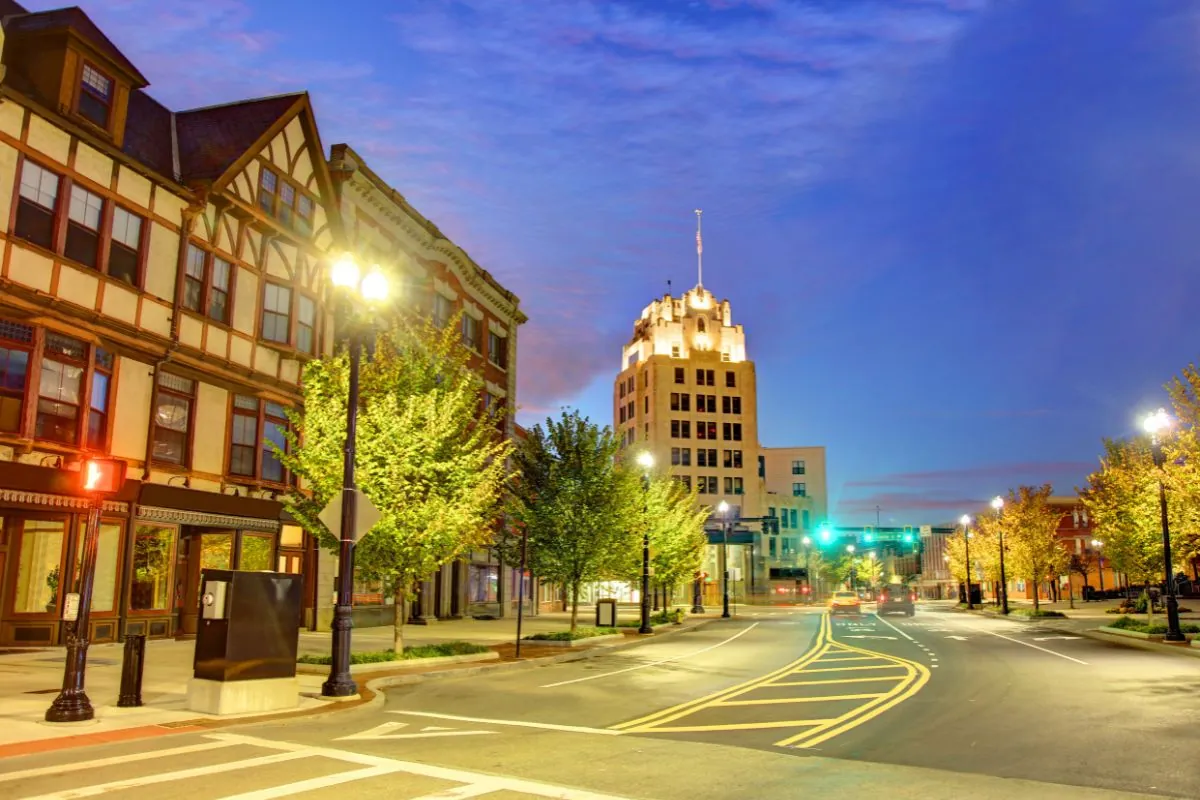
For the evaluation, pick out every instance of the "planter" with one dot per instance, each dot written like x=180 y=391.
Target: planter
x=388 y=666
x=1153 y=637
x=611 y=637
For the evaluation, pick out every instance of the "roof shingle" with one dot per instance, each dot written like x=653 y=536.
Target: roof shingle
x=212 y=139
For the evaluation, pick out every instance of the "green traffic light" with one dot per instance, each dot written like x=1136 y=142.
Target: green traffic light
x=908 y=537
x=825 y=535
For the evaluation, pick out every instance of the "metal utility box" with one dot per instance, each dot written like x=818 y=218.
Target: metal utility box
x=249 y=625
x=606 y=613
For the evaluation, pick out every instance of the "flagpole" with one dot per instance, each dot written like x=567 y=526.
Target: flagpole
x=699 y=252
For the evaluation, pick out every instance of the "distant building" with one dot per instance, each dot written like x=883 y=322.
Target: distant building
x=687 y=392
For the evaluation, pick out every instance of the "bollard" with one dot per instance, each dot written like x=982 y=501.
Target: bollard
x=131 y=671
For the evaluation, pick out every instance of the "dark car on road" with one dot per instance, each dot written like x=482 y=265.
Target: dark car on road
x=896 y=599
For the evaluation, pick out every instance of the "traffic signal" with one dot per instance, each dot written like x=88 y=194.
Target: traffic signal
x=908 y=537
x=868 y=534
x=825 y=535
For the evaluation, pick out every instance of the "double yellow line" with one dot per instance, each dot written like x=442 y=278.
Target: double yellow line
x=915 y=676
x=659 y=718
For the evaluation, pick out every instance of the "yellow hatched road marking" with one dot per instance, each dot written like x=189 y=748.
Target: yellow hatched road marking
x=820 y=647
x=828 y=660
x=846 y=669
x=771 y=702
x=841 y=680
x=742 y=726
x=916 y=677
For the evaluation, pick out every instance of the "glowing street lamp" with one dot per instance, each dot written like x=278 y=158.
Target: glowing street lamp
x=723 y=509
x=353 y=290
x=998 y=505
x=1097 y=544
x=646 y=461
x=1156 y=424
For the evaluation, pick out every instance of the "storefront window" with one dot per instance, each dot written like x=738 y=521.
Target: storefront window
x=39 y=567
x=153 y=550
x=482 y=582
x=216 y=551
x=108 y=549
x=256 y=552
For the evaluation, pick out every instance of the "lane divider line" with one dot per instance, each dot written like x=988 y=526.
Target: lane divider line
x=1027 y=644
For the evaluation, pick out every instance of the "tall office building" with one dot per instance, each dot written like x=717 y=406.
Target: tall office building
x=688 y=394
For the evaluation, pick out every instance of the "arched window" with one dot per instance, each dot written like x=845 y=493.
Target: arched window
x=700 y=324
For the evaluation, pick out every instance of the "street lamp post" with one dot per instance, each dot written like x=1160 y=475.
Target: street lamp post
x=645 y=460
x=998 y=504
x=373 y=288
x=1096 y=543
x=1154 y=424
x=807 y=542
x=966 y=520
x=101 y=478
x=723 y=507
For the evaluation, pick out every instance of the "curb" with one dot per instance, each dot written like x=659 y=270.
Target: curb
x=608 y=637
x=370 y=695
x=383 y=666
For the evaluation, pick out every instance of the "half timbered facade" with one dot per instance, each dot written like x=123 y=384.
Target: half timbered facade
x=161 y=283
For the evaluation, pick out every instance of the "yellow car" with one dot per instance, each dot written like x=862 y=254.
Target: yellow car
x=844 y=603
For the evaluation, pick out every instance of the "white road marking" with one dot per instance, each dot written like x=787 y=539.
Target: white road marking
x=860 y=636
x=742 y=632
x=312 y=784
x=897 y=630
x=1034 y=646
x=386 y=731
x=513 y=722
x=1048 y=638
x=166 y=777
x=104 y=762
x=957 y=638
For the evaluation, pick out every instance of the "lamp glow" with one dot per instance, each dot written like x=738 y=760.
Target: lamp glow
x=344 y=273
x=645 y=459
x=997 y=502
x=806 y=541
x=1097 y=543
x=849 y=548
x=723 y=507
x=964 y=520
x=374 y=287
x=1158 y=421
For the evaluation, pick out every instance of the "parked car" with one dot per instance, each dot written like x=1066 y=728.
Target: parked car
x=845 y=603
x=896 y=599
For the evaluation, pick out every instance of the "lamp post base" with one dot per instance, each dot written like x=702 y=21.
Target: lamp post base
x=1173 y=633
x=72 y=703
x=339 y=683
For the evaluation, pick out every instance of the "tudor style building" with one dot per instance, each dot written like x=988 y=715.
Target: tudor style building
x=161 y=276
x=435 y=278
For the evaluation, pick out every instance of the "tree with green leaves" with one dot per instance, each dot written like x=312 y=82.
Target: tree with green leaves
x=1034 y=552
x=869 y=569
x=428 y=456
x=578 y=507
x=677 y=539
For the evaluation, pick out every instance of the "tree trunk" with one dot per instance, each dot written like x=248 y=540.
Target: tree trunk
x=1035 y=583
x=398 y=620
x=574 y=606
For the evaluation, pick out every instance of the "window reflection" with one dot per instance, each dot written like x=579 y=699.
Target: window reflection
x=152 y=552
x=256 y=553
x=39 y=566
x=108 y=548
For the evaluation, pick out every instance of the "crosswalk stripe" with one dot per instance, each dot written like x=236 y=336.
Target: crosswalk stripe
x=104 y=762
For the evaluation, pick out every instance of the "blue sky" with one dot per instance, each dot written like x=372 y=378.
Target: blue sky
x=960 y=233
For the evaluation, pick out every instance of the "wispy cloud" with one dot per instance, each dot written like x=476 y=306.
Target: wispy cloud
x=541 y=135
x=1030 y=472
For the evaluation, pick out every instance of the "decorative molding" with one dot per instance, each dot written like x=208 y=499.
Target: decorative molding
x=443 y=288
x=156 y=514
x=58 y=500
x=497 y=328
x=472 y=310
x=495 y=390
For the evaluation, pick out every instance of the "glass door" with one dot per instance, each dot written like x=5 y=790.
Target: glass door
x=200 y=548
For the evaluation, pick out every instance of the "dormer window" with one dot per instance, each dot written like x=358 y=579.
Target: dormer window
x=95 y=96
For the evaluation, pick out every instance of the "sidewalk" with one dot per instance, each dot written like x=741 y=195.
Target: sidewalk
x=31 y=679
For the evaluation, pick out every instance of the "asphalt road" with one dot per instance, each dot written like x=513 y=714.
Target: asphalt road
x=774 y=703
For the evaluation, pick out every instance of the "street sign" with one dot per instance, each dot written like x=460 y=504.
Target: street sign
x=736 y=537
x=365 y=516
x=926 y=530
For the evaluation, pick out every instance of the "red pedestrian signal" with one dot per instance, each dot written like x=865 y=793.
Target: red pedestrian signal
x=103 y=475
